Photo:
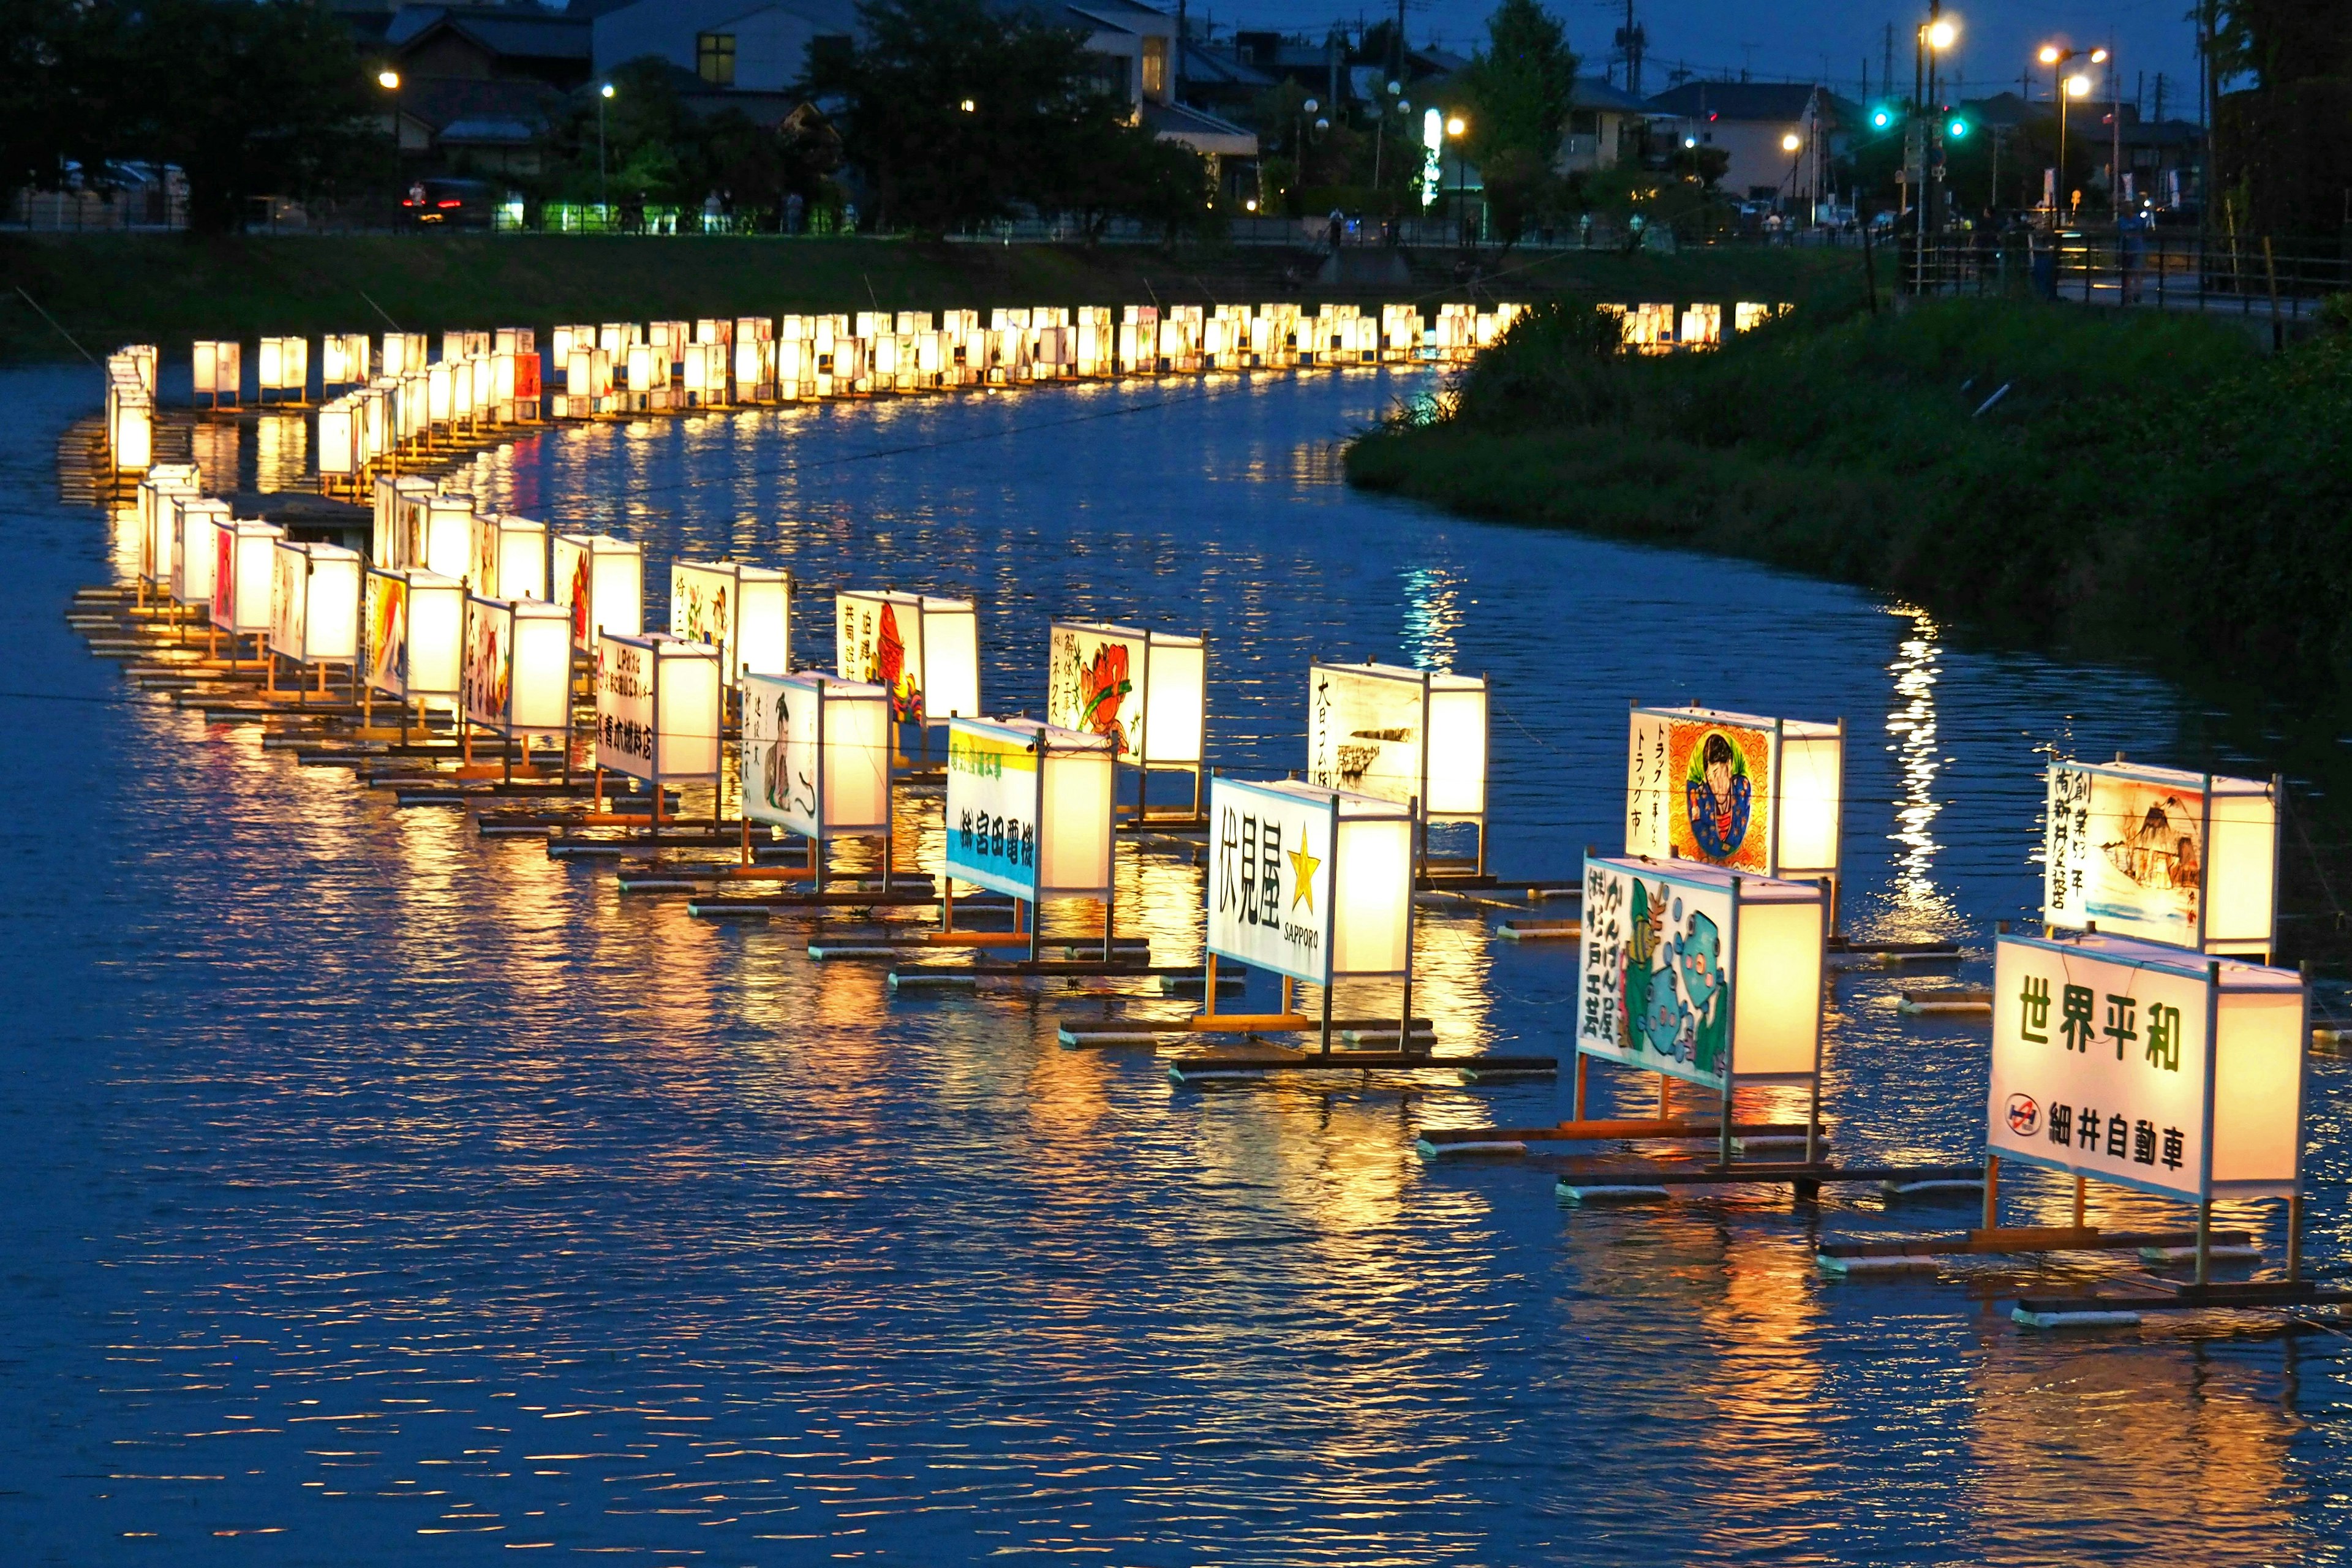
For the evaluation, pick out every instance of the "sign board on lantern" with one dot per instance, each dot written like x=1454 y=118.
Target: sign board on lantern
x=1315 y=884
x=518 y=672
x=1399 y=734
x=2140 y=1064
x=924 y=651
x=1699 y=973
x=816 y=755
x=744 y=612
x=314 y=604
x=1755 y=796
x=1029 y=808
x=242 y=575
x=1144 y=690
x=415 y=626
x=600 y=580
x=2186 y=859
x=657 y=707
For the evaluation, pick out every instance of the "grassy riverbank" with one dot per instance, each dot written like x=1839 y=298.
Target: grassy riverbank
x=168 y=288
x=2144 y=484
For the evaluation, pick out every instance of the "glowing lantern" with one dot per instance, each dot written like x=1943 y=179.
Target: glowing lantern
x=440 y=533
x=194 y=550
x=1029 y=809
x=416 y=627
x=509 y=557
x=1146 y=690
x=2186 y=859
x=219 y=369
x=284 y=367
x=340 y=439
x=243 y=576
x=924 y=651
x=163 y=484
x=1761 y=795
x=656 y=708
x=388 y=537
x=816 y=758
x=314 y=604
x=1406 y=735
x=744 y=612
x=518 y=672
x=600 y=580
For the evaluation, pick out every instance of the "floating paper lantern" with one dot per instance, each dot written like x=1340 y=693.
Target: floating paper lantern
x=340 y=439
x=1701 y=974
x=314 y=603
x=600 y=580
x=1315 y=884
x=1029 y=808
x=518 y=672
x=816 y=755
x=162 y=485
x=744 y=612
x=444 y=542
x=656 y=708
x=1400 y=734
x=509 y=557
x=285 y=366
x=1758 y=796
x=389 y=532
x=924 y=651
x=415 y=623
x=243 y=576
x=1146 y=690
x=219 y=369
x=2142 y=1065
x=2165 y=855
x=194 y=552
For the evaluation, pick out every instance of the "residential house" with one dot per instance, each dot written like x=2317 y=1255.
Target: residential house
x=763 y=47
x=1751 y=123
x=1605 y=125
x=482 y=43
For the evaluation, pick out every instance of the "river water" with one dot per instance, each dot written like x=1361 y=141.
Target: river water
x=379 y=1193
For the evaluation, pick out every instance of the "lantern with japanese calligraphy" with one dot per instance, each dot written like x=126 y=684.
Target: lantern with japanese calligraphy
x=243 y=576
x=656 y=708
x=1029 y=809
x=219 y=369
x=2162 y=855
x=600 y=580
x=414 y=626
x=1406 y=735
x=744 y=612
x=284 y=367
x=1762 y=795
x=314 y=604
x=2142 y=1065
x=1146 y=690
x=517 y=677
x=507 y=559
x=816 y=758
x=924 y=651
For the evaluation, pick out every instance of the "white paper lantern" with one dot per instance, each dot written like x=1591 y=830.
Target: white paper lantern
x=194 y=552
x=815 y=755
x=444 y=544
x=314 y=603
x=656 y=708
x=1315 y=884
x=1029 y=808
x=744 y=612
x=2144 y=1065
x=924 y=651
x=436 y=393
x=1144 y=689
x=508 y=558
x=340 y=438
x=1701 y=974
x=243 y=576
x=131 y=429
x=163 y=484
x=2165 y=855
x=389 y=532
x=600 y=580
x=1400 y=734
x=1758 y=796
x=219 y=369
x=416 y=627
x=518 y=672
x=285 y=366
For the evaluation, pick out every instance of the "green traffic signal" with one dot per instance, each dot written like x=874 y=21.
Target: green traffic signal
x=1881 y=118
x=1957 y=128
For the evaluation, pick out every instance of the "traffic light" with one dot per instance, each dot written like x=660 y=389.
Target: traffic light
x=1884 y=117
x=1957 y=127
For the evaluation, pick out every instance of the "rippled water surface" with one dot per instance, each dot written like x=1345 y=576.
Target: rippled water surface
x=378 y=1192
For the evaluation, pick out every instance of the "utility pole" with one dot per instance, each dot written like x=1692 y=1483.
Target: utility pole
x=1886 y=65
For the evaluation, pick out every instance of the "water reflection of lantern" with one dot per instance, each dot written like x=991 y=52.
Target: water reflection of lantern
x=744 y=612
x=600 y=580
x=1754 y=794
x=1030 y=813
x=414 y=626
x=1401 y=735
x=314 y=605
x=1145 y=690
x=1314 y=884
x=1698 y=973
x=816 y=759
x=2202 y=1096
x=657 y=711
x=508 y=559
x=2165 y=856
x=924 y=651
x=517 y=681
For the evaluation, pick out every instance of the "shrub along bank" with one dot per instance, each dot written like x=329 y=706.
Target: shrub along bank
x=2133 y=482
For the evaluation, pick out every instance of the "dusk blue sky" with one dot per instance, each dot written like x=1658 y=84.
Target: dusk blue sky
x=1809 y=38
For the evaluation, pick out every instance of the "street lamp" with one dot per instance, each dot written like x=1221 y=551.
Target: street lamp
x=1935 y=36
x=2077 y=86
x=389 y=79
x=603 y=196
x=1455 y=128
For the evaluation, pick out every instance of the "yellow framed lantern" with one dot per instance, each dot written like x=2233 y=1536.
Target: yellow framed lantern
x=1700 y=973
x=744 y=612
x=816 y=759
x=163 y=485
x=285 y=366
x=193 y=549
x=1412 y=736
x=600 y=580
x=129 y=417
x=415 y=624
x=243 y=576
x=507 y=559
x=2188 y=859
x=1144 y=690
x=924 y=651
x=1030 y=813
x=517 y=681
x=314 y=604
x=218 y=370
x=657 y=701
x=1762 y=796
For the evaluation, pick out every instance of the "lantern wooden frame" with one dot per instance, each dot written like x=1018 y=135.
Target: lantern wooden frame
x=831 y=738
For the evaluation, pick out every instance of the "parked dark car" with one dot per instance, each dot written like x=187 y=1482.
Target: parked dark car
x=448 y=203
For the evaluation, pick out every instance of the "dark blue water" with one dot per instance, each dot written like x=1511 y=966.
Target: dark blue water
x=376 y=1192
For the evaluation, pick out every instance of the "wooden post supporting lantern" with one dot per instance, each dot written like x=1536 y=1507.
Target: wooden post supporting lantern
x=415 y=623
x=518 y=673
x=744 y=612
x=1400 y=734
x=815 y=761
x=1312 y=884
x=657 y=711
x=924 y=651
x=1029 y=815
x=2148 y=1067
x=314 y=608
x=1143 y=690
x=1696 y=972
x=600 y=580
x=1760 y=796
x=2188 y=859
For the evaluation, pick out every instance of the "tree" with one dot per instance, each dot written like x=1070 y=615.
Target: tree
x=51 y=74
x=1516 y=95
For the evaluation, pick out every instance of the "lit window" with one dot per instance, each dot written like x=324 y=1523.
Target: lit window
x=1155 y=68
x=714 y=57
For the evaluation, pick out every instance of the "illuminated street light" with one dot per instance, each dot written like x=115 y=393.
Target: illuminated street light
x=2078 y=86
x=388 y=81
x=1791 y=142
x=1941 y=34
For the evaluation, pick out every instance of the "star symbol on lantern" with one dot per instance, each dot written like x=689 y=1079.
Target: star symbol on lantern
x=1302 y=870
